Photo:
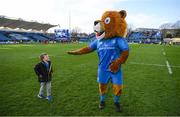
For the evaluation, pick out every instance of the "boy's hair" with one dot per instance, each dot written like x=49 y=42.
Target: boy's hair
x=42 y=56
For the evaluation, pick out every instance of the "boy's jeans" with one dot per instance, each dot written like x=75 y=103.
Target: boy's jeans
x=48 y=88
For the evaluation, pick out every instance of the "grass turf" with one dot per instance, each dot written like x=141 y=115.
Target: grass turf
x=148 y=89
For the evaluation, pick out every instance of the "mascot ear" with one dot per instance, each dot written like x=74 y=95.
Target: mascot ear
x=123 y=13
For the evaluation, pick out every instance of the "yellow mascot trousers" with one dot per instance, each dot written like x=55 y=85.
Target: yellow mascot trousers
x=117 y=89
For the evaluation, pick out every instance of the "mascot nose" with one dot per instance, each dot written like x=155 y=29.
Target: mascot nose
x=95 y=22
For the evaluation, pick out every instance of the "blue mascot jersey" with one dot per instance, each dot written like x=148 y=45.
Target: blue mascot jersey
x=109 y=50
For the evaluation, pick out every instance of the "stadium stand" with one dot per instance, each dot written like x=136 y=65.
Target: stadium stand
x=145 y=35
x=37 y=37
x=3 y=37
x=22 y=24
x=12 y=36
x=18 y=30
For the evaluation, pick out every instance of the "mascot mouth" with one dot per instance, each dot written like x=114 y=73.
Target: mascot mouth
x=100 y=35
x=99 y=29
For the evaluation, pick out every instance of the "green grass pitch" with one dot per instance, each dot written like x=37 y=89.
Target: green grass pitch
x=149 y=89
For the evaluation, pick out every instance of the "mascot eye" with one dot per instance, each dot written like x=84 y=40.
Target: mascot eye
x=107 y=20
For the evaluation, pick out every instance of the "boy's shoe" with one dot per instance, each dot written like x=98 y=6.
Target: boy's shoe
x=102 y=105
x=40 y=96
x=49 y=98
x=117 y=106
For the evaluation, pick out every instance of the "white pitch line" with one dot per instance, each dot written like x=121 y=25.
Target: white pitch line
x=169 y=67
x=158 y=65
x=5 y=48
x=167 y=63
x=164 y=53
x=38 y=56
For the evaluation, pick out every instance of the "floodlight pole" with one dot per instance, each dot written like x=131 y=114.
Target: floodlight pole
x=70 y=25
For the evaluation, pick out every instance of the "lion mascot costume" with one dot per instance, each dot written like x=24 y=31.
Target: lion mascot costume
x=112 y=49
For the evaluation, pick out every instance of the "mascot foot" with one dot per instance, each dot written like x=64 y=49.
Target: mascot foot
x=102 y=105
x=117 y=107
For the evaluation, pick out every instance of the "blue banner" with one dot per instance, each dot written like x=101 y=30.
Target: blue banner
x=62 y=33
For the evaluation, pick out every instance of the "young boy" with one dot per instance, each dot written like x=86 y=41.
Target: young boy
x=44 y=72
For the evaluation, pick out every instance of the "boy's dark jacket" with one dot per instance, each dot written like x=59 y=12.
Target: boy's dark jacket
x=41 y=71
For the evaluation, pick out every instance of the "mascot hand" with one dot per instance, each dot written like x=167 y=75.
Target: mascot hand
x=81 y=51
x=72 y=52
x=114 y=67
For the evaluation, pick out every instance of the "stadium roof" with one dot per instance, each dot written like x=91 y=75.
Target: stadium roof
x=22 y=24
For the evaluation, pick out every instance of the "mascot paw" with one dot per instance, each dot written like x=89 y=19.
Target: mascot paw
x=114 y=67
x=72 y=52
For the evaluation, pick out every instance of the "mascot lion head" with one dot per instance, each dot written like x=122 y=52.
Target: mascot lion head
x=112 y=24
